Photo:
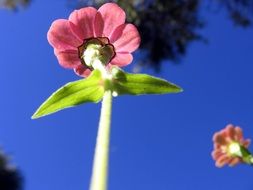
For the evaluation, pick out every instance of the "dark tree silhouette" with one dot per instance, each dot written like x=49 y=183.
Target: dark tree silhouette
x=168 y=26
x=10 y=178
x=240 y=11
x=13 y=4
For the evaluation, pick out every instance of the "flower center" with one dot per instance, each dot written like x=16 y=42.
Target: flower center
x=94 y=50
x=234 y=149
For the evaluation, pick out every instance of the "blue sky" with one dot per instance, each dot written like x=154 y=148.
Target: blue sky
x=158 y=142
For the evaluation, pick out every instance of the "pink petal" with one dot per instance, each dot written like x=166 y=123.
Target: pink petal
x=83 y=19
x=125 y=38
x=113 y=16
x=61 y=37
x=216 y=154
x=231 y=132
x=82 y=71
x=219 y=139
x=98 y=25
x=223 y=159
x=246 y=143
x=234 y=161
x=122 y=59
x=238 y=134
x=217 y=146
x=68 y=58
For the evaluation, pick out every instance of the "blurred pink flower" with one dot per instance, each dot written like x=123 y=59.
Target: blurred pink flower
x=223 y=153
x=105 y=26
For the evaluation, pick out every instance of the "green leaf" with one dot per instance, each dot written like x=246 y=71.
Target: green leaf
x=139 y=84
x=72 y=94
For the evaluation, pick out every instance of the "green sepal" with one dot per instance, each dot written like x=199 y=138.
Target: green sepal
x=140 y=84
x=72 y=94
x=246 y=155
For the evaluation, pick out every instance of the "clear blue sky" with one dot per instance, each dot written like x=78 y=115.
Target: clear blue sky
x=158 y=142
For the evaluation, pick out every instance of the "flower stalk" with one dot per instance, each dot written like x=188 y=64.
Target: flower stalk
x=100 y=163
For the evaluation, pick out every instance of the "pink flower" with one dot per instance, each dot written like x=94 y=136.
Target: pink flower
x=226 y=143
x=104 y=27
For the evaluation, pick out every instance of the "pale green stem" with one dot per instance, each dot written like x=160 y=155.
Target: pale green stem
x=248 y=159
x=100 y=163
x=251 y=159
